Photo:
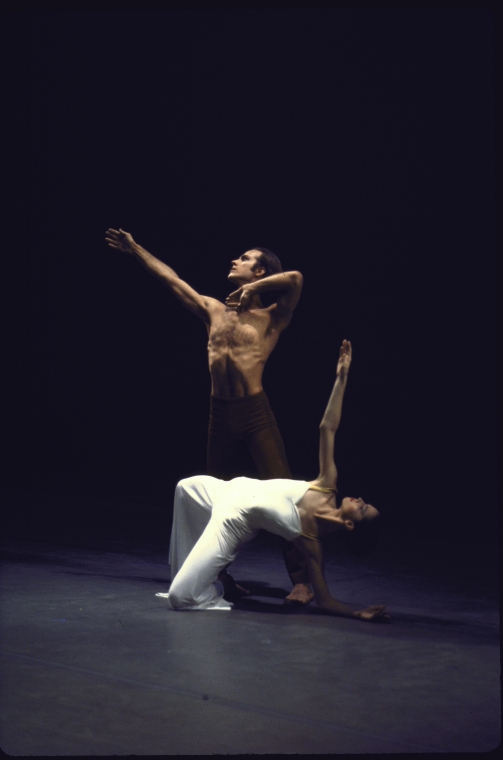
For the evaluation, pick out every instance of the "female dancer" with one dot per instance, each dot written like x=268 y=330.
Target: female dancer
x=214 y=518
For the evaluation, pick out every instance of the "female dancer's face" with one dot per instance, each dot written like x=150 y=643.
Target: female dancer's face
x=357 y=510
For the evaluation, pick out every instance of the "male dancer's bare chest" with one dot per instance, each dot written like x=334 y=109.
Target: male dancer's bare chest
x=238 y=348
x=248 y=332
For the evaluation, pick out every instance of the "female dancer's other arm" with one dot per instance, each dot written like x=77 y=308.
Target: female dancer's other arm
x=326 y=602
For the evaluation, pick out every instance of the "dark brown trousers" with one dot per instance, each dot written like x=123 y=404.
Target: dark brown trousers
x=241 y=426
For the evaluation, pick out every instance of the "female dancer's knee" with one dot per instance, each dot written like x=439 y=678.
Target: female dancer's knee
x=178 y=599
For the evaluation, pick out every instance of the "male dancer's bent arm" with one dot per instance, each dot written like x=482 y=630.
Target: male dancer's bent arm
x=289 y=285
x=191 y=299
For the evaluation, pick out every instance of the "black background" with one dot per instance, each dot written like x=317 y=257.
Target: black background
x=358 y=145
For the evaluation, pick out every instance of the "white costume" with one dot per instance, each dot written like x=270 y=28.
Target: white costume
x=212 y=520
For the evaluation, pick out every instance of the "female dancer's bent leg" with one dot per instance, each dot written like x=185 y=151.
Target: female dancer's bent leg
x=200 y=546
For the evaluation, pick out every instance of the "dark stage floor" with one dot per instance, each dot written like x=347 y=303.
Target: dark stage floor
x=93 y=663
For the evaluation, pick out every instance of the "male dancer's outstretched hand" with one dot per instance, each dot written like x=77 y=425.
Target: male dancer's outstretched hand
x=120 y=240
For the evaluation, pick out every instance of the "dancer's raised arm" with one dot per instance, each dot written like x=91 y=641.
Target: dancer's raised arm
x=191 y=299
x=345 y=516
x=332 y=418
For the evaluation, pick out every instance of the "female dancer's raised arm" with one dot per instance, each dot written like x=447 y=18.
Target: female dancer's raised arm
x=348 y=515
x=331 y=419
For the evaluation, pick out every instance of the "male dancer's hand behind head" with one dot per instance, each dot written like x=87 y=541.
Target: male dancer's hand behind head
x=241 y=298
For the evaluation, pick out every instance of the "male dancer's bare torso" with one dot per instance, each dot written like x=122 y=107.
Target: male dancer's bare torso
x=238 y=348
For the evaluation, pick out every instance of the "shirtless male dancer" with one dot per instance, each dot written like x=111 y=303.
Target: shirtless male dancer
x=242 y=334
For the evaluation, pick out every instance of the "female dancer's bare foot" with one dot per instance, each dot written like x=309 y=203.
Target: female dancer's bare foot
x=300 y=595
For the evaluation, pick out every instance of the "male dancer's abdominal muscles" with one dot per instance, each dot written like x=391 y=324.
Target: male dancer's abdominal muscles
x=235 y=377
x=228 y=355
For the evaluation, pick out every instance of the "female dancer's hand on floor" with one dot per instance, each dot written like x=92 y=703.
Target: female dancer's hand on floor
x=376 y=614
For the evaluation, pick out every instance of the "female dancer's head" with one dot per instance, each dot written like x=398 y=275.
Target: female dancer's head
x=355 y=511
x=362 y=522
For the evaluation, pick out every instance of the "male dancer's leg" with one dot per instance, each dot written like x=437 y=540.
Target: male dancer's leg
x=268 y=452
x=224 y=456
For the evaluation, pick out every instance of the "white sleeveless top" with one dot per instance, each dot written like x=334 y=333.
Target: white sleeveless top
x=249 y=505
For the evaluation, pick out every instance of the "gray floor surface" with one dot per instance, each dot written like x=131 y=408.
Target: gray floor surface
x=93 y=663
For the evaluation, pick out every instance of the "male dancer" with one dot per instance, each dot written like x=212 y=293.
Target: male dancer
x=242 y=334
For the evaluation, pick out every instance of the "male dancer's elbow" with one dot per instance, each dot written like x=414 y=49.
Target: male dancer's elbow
x=296 y=278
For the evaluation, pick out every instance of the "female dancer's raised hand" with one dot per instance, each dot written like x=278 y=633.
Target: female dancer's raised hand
x=345 y=356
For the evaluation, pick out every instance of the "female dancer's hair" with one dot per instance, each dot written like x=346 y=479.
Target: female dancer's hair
x=361 y=541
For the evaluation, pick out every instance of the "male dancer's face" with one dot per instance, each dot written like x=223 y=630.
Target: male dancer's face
x=246 y=268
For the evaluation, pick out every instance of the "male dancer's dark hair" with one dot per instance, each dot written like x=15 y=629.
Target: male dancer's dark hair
x=269 y=261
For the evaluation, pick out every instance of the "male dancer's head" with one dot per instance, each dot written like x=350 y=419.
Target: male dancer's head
x=253 y=265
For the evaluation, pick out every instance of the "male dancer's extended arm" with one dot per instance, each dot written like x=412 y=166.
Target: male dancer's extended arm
x=191 y=299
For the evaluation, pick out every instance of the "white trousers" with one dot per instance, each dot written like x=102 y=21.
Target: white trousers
x=202 y=542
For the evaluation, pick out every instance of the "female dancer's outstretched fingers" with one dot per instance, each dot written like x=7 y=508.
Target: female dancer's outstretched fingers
x=376 y=613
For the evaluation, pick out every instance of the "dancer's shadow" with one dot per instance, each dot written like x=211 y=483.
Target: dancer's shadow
x=255 y=605
x=260 y=588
